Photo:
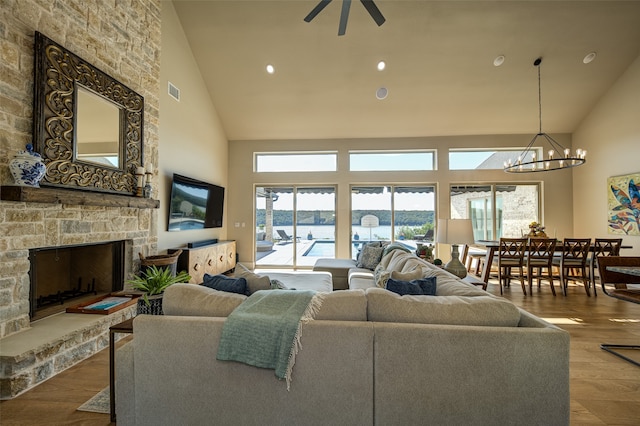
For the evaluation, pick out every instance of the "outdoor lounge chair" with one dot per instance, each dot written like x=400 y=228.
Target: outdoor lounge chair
x=428 y=236
x=284 y=237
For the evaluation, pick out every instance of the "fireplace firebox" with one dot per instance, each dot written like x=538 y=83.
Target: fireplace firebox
x=66 y=276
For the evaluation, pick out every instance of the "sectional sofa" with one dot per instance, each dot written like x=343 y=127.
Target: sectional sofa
x=370 y=357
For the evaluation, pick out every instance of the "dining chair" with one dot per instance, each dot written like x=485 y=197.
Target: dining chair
x=478 y=257
x=538 y=259
x=572 y=264
x=470 y=255
x=602 y=247
x=510 y=257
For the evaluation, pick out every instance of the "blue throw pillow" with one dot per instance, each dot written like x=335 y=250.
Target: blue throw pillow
x=421 y=287
x=224 y=283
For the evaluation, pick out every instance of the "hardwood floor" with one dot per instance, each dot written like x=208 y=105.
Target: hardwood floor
x=605 y=390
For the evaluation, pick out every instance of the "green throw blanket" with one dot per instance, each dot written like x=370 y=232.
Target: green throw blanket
x=265 y=330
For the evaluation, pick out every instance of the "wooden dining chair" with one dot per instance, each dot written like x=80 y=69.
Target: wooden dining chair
x=572 y=264
x=540 y=260
x=602 y=247
x=471 y=255
x=510 y=258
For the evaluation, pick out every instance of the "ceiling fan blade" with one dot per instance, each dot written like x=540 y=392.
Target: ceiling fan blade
x=344 y=17
x=316 y=10
x=373 y=11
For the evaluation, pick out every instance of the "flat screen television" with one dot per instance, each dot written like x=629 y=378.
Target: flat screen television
x=194 y=204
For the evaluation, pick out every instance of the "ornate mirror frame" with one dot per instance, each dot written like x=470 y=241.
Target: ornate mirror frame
x=58 y=73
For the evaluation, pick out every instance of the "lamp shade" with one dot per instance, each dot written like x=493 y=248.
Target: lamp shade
x=455 y=231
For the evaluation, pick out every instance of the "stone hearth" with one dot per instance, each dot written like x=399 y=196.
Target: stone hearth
x=51 y=345
x=31 y=352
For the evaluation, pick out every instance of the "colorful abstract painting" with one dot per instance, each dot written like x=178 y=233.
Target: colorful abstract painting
x=623 y=199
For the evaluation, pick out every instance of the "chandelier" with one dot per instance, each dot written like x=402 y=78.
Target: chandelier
x=558 y=157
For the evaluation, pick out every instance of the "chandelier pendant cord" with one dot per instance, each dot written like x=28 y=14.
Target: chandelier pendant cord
x=524 y=163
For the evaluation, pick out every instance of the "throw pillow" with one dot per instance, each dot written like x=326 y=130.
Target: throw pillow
x=255 y=282
x=425 y=287
x=370 y=257
x=224 y=283
x=380 y=275
x=277 y=285
x=373 y=244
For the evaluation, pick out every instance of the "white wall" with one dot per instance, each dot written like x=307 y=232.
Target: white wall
x=192 y=142
x=611 y=136
x=556 y=186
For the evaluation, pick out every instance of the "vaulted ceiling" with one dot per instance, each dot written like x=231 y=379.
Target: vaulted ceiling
x=440 y=75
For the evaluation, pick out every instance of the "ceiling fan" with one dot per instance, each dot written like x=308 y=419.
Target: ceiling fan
x=344 y=15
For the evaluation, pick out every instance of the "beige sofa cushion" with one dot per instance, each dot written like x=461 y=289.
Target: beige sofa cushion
x=343 y=305
x=199 y=301
x=415 y=274
x=450 y=285
x=385 y=306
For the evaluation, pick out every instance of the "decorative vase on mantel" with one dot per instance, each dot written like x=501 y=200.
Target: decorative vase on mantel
x=27 y=167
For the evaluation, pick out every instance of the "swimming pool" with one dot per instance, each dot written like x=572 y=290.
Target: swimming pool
x=321 y=249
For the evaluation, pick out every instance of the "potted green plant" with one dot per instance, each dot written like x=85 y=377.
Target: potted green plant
x=152 y=282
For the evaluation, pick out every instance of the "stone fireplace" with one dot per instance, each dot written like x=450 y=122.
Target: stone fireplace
x=66 y=276
x=123 y=40
x=92 y=247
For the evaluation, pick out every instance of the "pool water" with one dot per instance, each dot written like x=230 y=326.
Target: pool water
x=322 y=249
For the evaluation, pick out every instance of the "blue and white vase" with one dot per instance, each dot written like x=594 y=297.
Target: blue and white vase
x=27 y=167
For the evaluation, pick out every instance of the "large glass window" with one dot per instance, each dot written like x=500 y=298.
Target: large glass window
x=391 y=160
x=294 y=225
x=296 y=162
x=496 y=210
x=391 y=213
x=465 y=159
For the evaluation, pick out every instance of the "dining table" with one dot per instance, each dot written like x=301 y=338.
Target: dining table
x=629 y=270
x=492 y=247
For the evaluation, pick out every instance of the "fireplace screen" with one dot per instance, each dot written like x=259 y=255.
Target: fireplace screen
x=66 y=276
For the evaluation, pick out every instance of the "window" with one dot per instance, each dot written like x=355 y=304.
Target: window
x=485 y=159
x=296 y=162
x=375 y=161
x=496 y=210
x=391 y=213
x=294 y=225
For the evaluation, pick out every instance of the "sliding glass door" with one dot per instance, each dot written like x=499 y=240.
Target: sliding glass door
x=294 y=225
x=391 y=213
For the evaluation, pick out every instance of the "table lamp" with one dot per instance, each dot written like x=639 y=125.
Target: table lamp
x=455 y=232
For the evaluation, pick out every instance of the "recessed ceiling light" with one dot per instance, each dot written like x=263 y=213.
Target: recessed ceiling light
x=498 y=61
x=382 y=65
x=382 y=93
x=270 y=69
x=589 y=58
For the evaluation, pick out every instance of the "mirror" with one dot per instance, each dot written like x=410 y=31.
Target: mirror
x=87 y=125
x=97 y=129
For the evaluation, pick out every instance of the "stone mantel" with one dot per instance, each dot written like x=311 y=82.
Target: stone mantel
x=74 y=197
